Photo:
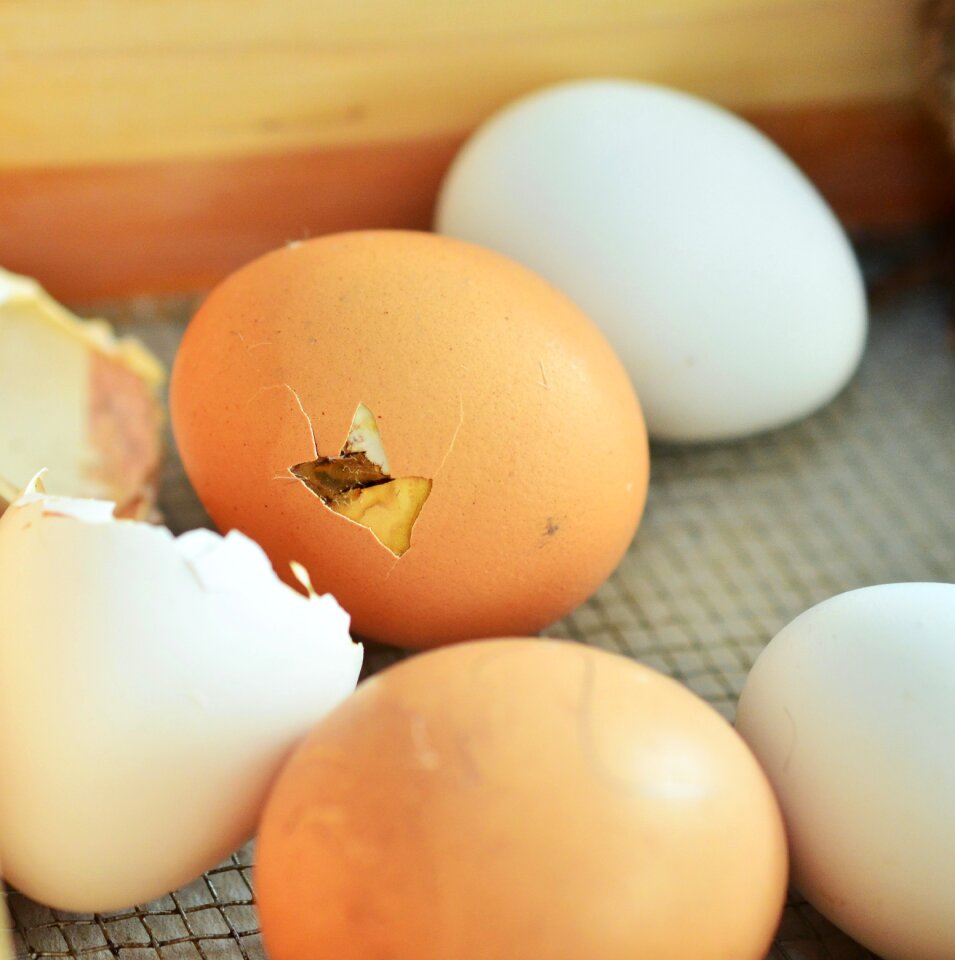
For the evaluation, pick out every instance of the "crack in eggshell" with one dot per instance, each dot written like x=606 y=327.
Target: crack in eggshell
x=331 y=478
x=357 y=484
x=454 y=436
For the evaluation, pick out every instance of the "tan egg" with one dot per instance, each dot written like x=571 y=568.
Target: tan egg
x=521 y=799
x=445 y=441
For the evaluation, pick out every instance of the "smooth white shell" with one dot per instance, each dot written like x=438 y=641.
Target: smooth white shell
x=710 y=262
x=851 y=711
x=150 y=689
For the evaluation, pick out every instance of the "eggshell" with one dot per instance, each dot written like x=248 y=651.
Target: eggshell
x=150 y=688
x=712 y=265
x=851 y=710
x=77 y=399
x=482 y=379
x=521 y=798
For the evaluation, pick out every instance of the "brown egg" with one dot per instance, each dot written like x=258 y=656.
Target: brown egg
x=445 y=441
x=515 y=799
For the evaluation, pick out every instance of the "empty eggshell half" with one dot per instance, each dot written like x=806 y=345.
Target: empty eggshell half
x=76 y=399
x=712 y=265
x=150 y=688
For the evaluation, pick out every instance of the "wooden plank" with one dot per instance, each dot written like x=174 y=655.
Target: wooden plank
x=56 y=27
x=118 y=230
x=114 y=230
x=880 y=166
x=140 y=80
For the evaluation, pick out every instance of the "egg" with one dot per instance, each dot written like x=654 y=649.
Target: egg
x=446 y=442
x=150 y=688
x=78 y=400
x=851 y=711
x=711 y=263
x=521 y=798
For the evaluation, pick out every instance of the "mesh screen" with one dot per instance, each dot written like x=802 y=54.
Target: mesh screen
x=737 y=540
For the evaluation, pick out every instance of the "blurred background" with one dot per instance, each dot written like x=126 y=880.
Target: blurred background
x=151 y=145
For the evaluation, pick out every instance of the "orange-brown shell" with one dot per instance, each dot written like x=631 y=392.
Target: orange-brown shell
x=482 y=377
x=521 y=799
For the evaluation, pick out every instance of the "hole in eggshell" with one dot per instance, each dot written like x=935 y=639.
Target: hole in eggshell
x=332 y=477
x=357 y=485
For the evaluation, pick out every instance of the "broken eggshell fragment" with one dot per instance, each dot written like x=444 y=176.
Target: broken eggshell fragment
x=77 y=399
x=150 y=688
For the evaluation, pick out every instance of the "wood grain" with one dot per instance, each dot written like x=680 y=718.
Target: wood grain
x=129 y=81
x=124 y=229
x=881 y=166
x=118 y=230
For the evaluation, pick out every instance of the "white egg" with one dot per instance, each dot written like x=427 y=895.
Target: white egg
x=710 y=262
x=150 y=689
x=851 y=711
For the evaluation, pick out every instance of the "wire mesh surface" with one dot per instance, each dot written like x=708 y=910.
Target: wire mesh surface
x=737 y=540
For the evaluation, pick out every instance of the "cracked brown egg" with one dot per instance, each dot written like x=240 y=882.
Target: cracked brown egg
x=445 y=441
x=521 y=800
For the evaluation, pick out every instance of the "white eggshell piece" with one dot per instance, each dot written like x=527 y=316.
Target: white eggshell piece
x=710 y=262
x=150 y=689
x=851 y=711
